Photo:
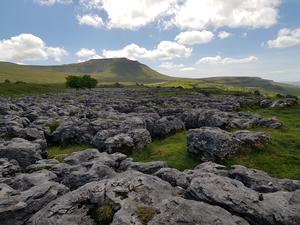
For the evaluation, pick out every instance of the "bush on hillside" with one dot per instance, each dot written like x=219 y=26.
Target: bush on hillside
x=77 y=82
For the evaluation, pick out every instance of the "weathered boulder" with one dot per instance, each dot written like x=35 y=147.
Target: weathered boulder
x=148 y=167
x=261 y=181
x=284 y=102
x=179 y=211
x=125 y=194
x=174 y=177
x=252 y=138
x=265 y=103
x=141 y=138
x=166 y=125
x=16 y=207
x=8 y=167
x=232 y=195
x=23 y=151
x=212 y=143
x=119 y=143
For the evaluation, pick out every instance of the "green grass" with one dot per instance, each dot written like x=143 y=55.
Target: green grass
x=22 y=89
x=59 y=152
x=171 y=149
x=282 y=157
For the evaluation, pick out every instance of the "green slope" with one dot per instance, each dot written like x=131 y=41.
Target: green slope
x=236 y=84
x=128 y=71
x=105 y=70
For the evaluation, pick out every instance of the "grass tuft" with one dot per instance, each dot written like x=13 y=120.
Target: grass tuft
x=59 y=152
x=145 y=214
x=171 y=149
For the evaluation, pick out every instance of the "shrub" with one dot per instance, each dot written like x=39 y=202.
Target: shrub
x=118 y=85
x=88 y=82
x=292 y=96
x=77 y=82
x=53 y=125
x=257 y=93
x=145 y=214
x=20 y=82
x=104 y=214
x=7 y=81
x=279 y=96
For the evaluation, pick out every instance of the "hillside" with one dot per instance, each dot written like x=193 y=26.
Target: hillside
x=105 y=70
x=237 y=84
x=129 y=71
x=254 y=82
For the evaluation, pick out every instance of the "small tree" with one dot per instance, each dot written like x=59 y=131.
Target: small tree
x=73 y=82
x=77 y=82
x=88 y=82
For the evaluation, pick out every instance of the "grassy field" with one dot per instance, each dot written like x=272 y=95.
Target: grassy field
x=19 y=89
x=282 y=157
x=171 y=149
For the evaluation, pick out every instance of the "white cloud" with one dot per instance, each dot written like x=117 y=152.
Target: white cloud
x=188 y=69
x=131 y=51
x=225 y=61
x=285 y=38
x=86 y=54
x=195 y=14
x=224 y=34
x=91 y=4
x=170 y=65
x=194 y=37
x=130 y=14
x=166 y=50
x=52 y=2
x=27 y=47
x=187 y=14
x=90 y=20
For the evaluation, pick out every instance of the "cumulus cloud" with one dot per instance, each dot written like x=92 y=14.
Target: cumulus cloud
x=91 y=4
x=194 y=37
x=187 y=14
x=225 y=61
x=173 y=66
x=130 y=14
x=27 y=47
x=195 y=14
x=170 y=65
x=86 y=54
x=165 y=50
x=90 y=20
x=52 y=2
x=285 y=38
x=188 y=69
x=131 y=51
x=224 y=34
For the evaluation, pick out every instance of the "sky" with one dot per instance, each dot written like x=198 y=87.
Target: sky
x=183 y=38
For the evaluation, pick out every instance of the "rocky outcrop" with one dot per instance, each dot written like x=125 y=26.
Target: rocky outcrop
x=284 y=102
x=212 y=144
x=90 y=182
x=23 y=151
x=256 y=208
x=251 y=138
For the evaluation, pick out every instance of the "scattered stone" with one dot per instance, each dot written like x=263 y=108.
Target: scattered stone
x=212 y=143
x=23 y=151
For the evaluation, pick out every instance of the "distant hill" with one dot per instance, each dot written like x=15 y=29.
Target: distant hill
x=104 y=70
x=129 y=71
x=255 y=82
x=247 y=82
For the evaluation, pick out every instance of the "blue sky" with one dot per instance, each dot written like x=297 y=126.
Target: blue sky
x=187 y=38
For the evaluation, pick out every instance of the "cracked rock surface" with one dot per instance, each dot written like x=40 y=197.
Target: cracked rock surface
x=102 y=184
